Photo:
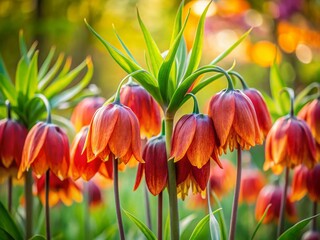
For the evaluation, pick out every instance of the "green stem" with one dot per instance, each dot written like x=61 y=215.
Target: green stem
x=172 y=186
x=9 y=194
x=283 y=203
x=230 y=83
x=86 y=214
x=8 y=106
x=236 y=198
x=196 y=105
x=160 y=216
x=47 y=184
x=243 y=82
x=148 y=212
x=46 y=104
x=29 y=203
x=314 y=212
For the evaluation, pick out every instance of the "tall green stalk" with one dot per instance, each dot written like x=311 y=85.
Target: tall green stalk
x=29 y=203
x=172 y=186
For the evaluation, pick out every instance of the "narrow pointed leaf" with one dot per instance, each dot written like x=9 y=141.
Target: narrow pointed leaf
x=21 y=76
x=185 y=223
x=144 y=229
x=214 y=225
x=8 y=225
x=177 y=23
x=46 y=64
x=32 y=77
x=181 y=59
x=295 y=230
x=3 y=69
x=201 y=225
x=5 y=235
x=260 y=221
x=303 y=96
x=23 y=47
x=166 y=234
x=231 y=48
x=153 y=50
x=8 y=90
x=32 y=50
x=221 y=219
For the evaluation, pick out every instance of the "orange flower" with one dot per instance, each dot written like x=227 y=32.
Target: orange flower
x=299 y=185
x=12 y=137
x=79 y=167
x=155 y=166
x=252 y=181
x=46 y=147
x=188 y=175
x=289 y=143
x=262 y=112
x=234 y=120
x=273 y=194
x=65 y=191
x=313 y=181
x=114 y=131
x=144 y=107
x=194 y=139
x=84 y=111
x=311 y=114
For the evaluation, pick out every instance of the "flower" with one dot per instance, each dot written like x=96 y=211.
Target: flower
x=289 y=143
x=194 y=139
x=144 y=107
x=272 y=194
x=311 y=235
x=313 y=180
x=155 y=166
x=95 y=195
x=65 y=190
x=252 y=181
x=84 y=111
x=79 y=167
x=12 y=137
x=235 y=121
x=46 y=147
x=114 y=131
x=299 y=183
x=262 y=112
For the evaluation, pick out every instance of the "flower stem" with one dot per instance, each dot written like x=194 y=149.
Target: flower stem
x=172 y=186
x=9 y=194
x=86 y=211
x=29 y=203
x=148 y=212
x=283 y=203
x=236 y=198
x=47 y=205
x=243 y=82
x=160 y=216
x=314 y=212
x=116 y=196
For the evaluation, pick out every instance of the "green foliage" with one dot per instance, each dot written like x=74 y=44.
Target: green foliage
x=260 y=221
x=8 y=228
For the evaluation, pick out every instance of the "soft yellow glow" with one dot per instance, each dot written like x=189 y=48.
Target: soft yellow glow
x=197 y=7
x=264 y=53
x=304 y=53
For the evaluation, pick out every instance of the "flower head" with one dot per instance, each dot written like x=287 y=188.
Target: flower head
x=114 y=131
x=235 y=120
x=194 y=139
x=313 y=183
x=46 y=147
x=79 y=167
x=84 y=111
x=155 y=166
x=95 y=195
x=299 y=183
x=272 y=194
x=65 y=190
x=289 y=143
x=144 y=107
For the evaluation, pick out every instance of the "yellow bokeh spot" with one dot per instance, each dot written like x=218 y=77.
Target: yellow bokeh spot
x=264 y=53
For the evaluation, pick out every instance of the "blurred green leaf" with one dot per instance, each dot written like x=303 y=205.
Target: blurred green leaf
x=260 y=221
x=177 y=23
x=37 y=237
x=166 y=234
x=295 y=230
x=32 y=50
x=45 y=66
x=185 y=223
x=144 y=229
x=21 y=77
x=23 y=47
x=213 y=225
x=305 y=96
x=3 y=69
x=7 y=89
x=32 y=76
x=221 y=218
x=201 y=225
x=5 y=235
x=8 y=225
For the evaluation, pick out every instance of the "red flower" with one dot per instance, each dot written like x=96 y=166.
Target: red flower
x=46 y=147
x=12 y=137
x=65 y=191
x=289 y=143
x=144 y=107
x=299 y=183
x=313 y=183
x=194 y=139
x=79 y=167
x=262 y=112
x=95 y=195
x=155 y=166
x=273 y=194
x=235 y=121
x=114 y=130
x=84 y=111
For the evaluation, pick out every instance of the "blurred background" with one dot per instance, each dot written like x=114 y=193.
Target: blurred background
x=283 y=30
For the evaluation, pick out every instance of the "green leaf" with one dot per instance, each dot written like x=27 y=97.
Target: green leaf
x=32 y=50
x=221 y=219
x=166 y=234
x=32 y=77
x=144 y=229
x=23 y=47
x=260 y=221
x=181 y=59
x=184 y=223
x=164 y=71
x=5 y=235
x=21 y=76
x=37 y=237
x=304 y=96
x=3 y=69
x=201 y=225
x=45 y=66
x=177 y=23
x=214 y=225
x=8 y=225
x=231 y=48
x=274 y=109
x=8 y=90
x=153 y=50
x=196 y=51
x=295 y=230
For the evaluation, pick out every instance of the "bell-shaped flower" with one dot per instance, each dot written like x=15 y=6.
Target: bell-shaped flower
x=194 y=139
x=144 y=107
x=79 y=166
x=299 y=183
x=289 y=143
x=114 y=132
x=84 y=111
x=313 y=183
x=272 y=194
x=235 y=120
x=95 y=194
x=155 y=166
x=46 y=147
